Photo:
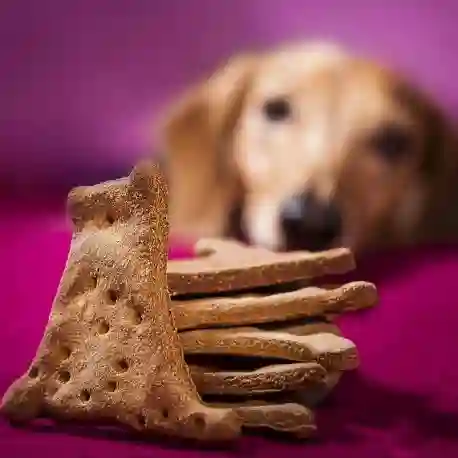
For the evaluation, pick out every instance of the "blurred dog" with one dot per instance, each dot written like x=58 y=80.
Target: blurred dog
x=310 y=147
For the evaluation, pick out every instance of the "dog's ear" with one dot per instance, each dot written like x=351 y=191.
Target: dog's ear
x=440 y=155
x=439 y=167
x=441 y=171
x=439 y=139
x=196 y=141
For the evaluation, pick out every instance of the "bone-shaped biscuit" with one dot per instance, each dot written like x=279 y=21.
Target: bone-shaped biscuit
x=225 y=265
x=212 y=377
x=334 y=353
x=290 y=418
x=314 y=394
x=281 y=377
x=253 y=309
x=110 y=351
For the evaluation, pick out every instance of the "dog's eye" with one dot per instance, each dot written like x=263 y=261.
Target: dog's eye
x=277 y=109
x=392 y=142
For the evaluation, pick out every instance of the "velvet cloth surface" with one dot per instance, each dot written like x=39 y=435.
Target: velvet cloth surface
x=81 y=85
x=401 y=402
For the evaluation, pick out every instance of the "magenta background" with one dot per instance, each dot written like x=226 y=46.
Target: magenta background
x=81 y=82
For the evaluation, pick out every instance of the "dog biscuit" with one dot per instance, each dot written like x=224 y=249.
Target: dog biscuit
x=110 y=352
x=294 y=419
x=281 y=377
x=330 y=351
x=255 y=309
x=224 y=265
x=288 y=417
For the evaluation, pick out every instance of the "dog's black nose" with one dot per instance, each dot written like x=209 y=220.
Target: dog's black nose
x=308 y=223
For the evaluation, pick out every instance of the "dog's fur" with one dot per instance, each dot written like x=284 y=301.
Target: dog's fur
x=230 y=168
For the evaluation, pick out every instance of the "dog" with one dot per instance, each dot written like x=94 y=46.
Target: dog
x=309 y=147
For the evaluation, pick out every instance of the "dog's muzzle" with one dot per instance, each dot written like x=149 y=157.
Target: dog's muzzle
x=308 y=223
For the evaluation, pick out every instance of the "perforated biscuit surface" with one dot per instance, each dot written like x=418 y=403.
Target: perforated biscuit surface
x=110 y=351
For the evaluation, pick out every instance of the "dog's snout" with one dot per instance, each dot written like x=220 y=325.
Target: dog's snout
x=309 y=223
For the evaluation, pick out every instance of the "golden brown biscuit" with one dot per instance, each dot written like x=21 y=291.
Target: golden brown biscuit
x=252 y=309
x=334 y=353
x=110 y=352
x=224 y=265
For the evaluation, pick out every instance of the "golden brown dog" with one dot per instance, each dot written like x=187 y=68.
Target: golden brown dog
x=308 y=147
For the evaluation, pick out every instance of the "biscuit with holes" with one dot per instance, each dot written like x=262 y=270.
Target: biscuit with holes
x=110 y=352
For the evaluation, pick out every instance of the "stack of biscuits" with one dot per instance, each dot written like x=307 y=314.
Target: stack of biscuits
x=256 y=338
x=235 y=338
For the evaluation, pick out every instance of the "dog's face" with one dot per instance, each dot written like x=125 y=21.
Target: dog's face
x=316 y=148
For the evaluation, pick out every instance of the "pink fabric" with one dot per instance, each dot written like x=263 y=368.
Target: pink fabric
x=402 y=402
